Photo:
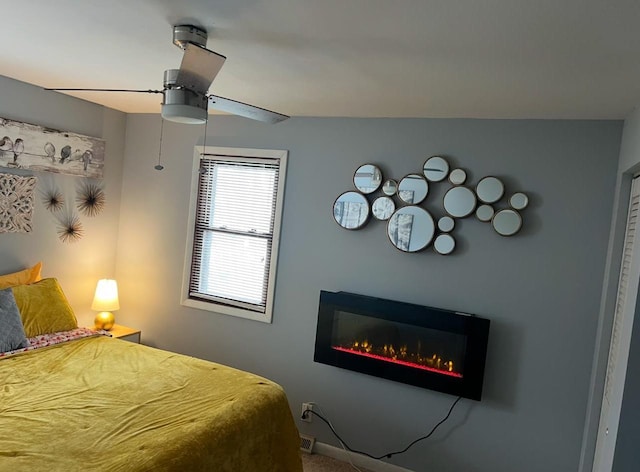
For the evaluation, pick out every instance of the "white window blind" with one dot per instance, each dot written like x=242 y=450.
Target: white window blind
x=234 y=230
x=623 y=287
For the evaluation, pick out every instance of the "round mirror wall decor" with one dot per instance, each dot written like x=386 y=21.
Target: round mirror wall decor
x=383 y=208
x=411 y=228
x=435 y=169
x=351 y=210
x=446 y=224
x=458 y=176
x=367 y=178
x=490 y=189
x=484 y=213
x=459 y=202
x=519 y=201
x=390 y=187
x=507 y=222
x=444 y=244
x=413 y=189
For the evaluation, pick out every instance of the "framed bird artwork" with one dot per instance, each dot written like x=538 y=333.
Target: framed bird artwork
x=35 y=148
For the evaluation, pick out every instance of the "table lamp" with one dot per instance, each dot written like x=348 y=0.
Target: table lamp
x=105 y=301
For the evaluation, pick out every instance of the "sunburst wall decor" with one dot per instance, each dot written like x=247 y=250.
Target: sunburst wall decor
x=90 y=199
x=70 y=229
x=52 y=199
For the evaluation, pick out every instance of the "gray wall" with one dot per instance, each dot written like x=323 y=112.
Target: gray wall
x=541 y=289
x=77 y=266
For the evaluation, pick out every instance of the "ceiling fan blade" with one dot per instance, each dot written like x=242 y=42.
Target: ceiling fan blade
x=198 y=68
x=101 y=90
x=246 y=110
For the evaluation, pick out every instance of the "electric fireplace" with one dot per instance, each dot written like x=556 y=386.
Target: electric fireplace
x=427 y=347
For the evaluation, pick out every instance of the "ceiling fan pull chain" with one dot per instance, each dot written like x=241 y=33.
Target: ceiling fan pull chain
x=160 y=166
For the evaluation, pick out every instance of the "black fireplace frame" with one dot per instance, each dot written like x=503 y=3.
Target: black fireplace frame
x=475 y=328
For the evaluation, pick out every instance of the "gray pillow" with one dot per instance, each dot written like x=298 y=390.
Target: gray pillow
x=11 y=330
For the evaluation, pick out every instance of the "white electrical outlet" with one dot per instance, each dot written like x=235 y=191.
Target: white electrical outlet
x=307 y=406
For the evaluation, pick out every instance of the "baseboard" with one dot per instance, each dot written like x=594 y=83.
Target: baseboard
x=357 y=459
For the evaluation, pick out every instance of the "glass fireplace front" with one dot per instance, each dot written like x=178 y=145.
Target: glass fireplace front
x=423 y=346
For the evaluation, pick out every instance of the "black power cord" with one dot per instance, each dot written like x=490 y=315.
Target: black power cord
x=389 y=454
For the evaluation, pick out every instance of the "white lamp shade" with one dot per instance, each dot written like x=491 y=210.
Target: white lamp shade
x=106 y=297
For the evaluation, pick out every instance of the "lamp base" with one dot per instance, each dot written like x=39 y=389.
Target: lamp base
x=105 y=320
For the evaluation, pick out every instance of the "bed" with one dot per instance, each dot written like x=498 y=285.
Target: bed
x=76 y=400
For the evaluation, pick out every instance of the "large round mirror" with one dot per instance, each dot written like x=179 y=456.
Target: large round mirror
x=435 y=169
x=367 y=178
x=413 y=189
x=458 y=176
x=507 y=222
x=411 y=228
x=390 y=187
x=519 y=201
x=444 y=244
x=459 y=202
x=383 y=207
x=351 y=210
x=490 y=189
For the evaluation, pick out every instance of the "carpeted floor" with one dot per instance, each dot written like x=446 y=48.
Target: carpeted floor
x=318 y=463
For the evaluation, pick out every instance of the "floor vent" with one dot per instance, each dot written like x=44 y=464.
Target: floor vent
x=306 y=443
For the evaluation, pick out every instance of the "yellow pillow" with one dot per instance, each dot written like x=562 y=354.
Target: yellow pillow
x=26 y=276
x=44 y=308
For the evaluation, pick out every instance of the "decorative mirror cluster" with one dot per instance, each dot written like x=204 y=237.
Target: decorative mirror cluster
x=411 y=228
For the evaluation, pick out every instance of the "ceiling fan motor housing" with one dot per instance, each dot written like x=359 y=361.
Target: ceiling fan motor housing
x=183 y=34
x=181 y=104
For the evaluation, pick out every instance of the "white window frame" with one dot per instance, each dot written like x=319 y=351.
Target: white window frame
x=231 y=153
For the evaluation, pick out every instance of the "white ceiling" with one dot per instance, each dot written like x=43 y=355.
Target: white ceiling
x=362 y=58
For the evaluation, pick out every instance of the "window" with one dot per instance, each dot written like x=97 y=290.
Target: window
x=234 y=228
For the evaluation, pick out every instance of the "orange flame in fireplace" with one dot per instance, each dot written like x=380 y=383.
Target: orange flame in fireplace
x=402 y=354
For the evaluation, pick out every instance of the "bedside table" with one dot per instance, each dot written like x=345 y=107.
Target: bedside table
x=125 y=333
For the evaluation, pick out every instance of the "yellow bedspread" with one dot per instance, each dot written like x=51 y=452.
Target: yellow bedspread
x=106 y=404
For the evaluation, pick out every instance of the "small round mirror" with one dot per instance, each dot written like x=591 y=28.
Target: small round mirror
x=490 y=189
x=411 y=228
x=435 y=169
x=446 y=224
x=457 y=176
x=484 y=213
x=383 y=207
x=459 y=202
x=444 y=244
x=507 y=222
x=413 y=189
x=390 y=187
x=367 y=178
x=519 y=201
x=351 y=210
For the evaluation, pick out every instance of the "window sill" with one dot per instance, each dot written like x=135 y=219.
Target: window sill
x=227 y=310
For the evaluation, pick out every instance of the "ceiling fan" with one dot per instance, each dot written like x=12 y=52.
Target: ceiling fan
x=184 y=94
